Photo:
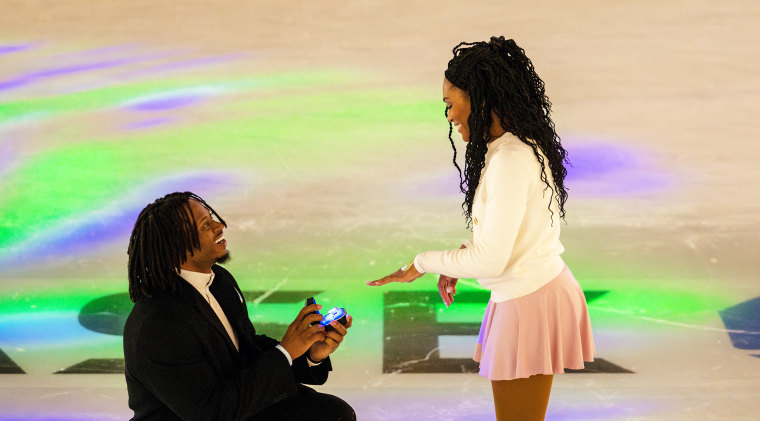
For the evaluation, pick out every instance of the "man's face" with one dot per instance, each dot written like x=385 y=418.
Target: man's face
x=213 y=246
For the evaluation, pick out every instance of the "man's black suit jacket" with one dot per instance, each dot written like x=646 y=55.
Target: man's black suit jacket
x=181 y=364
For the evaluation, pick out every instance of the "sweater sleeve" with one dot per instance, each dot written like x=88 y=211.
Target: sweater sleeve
x=508 y=181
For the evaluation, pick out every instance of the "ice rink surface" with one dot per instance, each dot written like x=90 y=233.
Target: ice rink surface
x=316 y=130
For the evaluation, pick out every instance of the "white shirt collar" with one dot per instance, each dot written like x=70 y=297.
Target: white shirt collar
x=200 y=281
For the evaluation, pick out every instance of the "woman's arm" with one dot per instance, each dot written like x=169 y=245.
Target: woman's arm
x=508 y=183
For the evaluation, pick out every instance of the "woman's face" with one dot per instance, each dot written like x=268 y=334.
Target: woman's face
x=458 y=108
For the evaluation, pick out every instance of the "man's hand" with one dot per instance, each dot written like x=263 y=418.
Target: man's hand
x=301 y=335
x=320 y=350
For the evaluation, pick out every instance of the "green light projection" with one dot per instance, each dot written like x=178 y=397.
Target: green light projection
x=313 y=130
x=296 y=132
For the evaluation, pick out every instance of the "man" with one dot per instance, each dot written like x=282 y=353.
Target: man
x=190 y=349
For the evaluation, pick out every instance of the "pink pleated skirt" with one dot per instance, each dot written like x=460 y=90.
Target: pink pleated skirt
x=543 y=332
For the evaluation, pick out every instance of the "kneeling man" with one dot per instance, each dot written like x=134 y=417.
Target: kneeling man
x=190 y=349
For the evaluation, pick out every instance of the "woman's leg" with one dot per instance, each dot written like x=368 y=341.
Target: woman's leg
x=522 y=399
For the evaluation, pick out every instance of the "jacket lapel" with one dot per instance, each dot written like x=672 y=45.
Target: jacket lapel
x=232 y=301
x=199 y=303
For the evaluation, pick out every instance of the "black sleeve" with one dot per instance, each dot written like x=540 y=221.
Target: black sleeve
x=301 y=370
x=170 y=362
x=311 y=375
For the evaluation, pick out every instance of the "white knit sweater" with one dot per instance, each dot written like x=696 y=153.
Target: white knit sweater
x=515 y=247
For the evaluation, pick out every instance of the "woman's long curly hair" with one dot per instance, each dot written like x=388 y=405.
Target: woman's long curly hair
x=499 y=77
x=162 y=236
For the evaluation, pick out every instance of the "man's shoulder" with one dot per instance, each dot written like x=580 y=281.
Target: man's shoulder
x=221 y=271
x=157 y=307
x=160 y=326
x=223 y=276
x=157 y=318
x=163 y=305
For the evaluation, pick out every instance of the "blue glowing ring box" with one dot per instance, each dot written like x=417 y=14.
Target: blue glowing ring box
x=335 y=313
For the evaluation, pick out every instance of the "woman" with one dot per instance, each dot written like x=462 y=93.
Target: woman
x=536 y=323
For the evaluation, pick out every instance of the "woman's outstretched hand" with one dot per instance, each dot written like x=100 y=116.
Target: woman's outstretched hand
x=405 y=274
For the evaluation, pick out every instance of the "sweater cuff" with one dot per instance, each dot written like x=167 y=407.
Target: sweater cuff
x=417 y=264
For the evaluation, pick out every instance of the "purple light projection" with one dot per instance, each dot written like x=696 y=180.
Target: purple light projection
x=32 y=77
x=611 y=412
x=597 y=169
x=113 y=221
x=172 y=99
x=8 y=49
x=445 y=184
x=150 y=71
x=153 y=122
x=606 y=169
x=167 y=102
x=8 y=156
x=34 y=416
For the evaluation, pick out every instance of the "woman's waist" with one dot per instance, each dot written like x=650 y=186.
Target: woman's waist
x=525 y=276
